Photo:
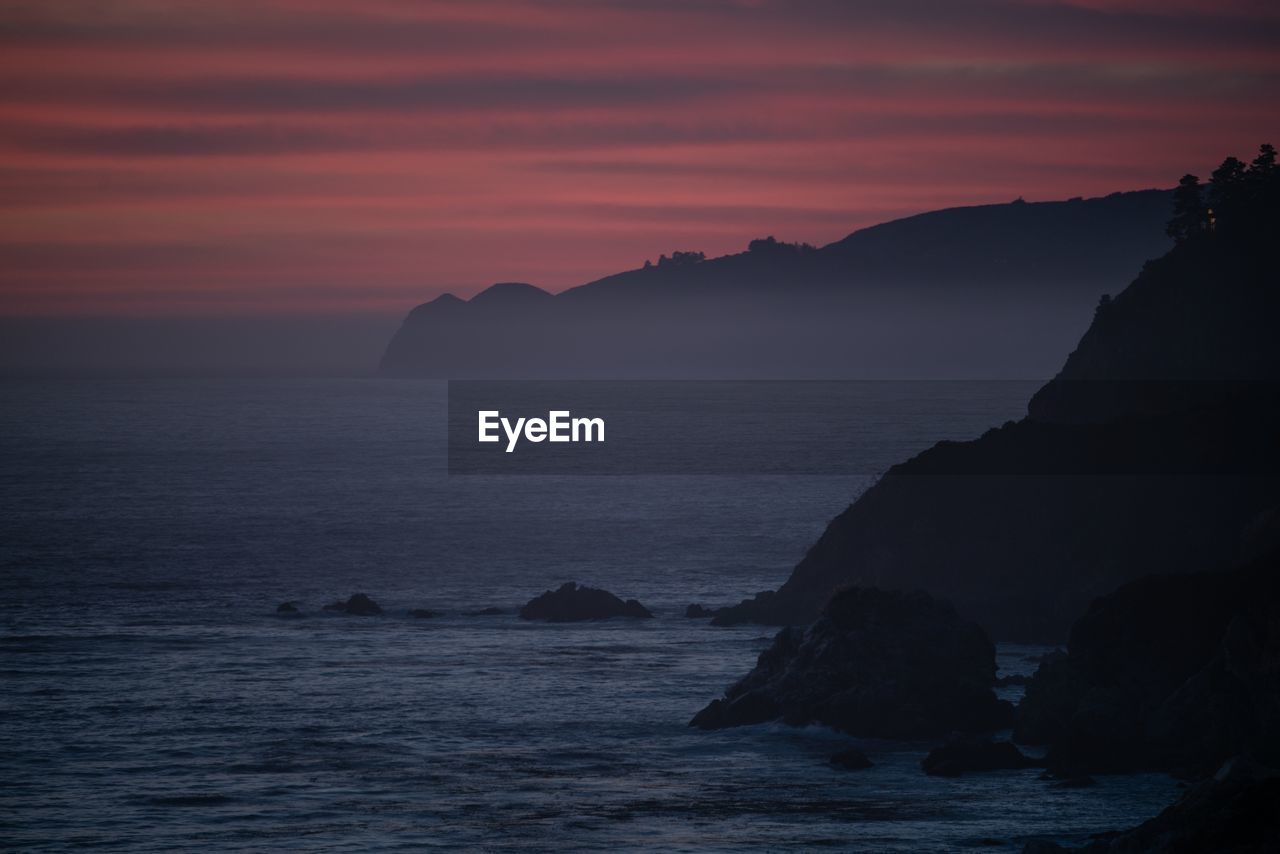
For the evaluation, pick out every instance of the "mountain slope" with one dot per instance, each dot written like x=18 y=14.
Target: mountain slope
x=958 y=292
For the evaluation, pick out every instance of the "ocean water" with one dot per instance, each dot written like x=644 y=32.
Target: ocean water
x=153 y=701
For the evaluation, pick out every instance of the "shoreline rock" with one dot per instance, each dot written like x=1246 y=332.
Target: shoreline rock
x=1169 y=673
x=878 y=664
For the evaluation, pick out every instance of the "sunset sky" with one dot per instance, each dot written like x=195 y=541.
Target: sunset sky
x=292 y=156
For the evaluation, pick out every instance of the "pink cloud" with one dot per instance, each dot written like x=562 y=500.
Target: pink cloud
x=282 y=155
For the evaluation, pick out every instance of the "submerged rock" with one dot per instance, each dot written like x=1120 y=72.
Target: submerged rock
x=571 y=603
x=696 y=611
x=850 y=760
x=359 y=605
x=879 y=664
x=966 y=755
x=422 y=613
x=287 y=608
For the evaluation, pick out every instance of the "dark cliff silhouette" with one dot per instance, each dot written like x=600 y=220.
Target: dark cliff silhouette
x=1153 y=450
x=964 y=292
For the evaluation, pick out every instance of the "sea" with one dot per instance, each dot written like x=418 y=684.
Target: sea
x=151 y=699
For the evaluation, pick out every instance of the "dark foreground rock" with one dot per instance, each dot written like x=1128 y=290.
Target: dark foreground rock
x=850 y=760
x=879 y=664
x=967 y=755
x=1172 y=673
x=697 y=611
x=571 y=603
x=1236 y=812
x=359 y=605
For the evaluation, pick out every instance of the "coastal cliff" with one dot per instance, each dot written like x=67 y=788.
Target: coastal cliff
x=1153 y=450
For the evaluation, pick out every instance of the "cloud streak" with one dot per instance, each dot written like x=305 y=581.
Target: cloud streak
x=160 y=157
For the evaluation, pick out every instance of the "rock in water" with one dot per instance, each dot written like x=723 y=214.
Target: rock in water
x=571 y=603
x=696 y=611
x=876 y=664
x=359 y=605
x=287 y=608
x=965 y=755
x=422 y=613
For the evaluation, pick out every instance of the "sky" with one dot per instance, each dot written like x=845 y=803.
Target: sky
x=266 y=157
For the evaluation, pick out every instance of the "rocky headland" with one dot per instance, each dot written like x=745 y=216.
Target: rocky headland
x=1152 y=451
x=879 y=664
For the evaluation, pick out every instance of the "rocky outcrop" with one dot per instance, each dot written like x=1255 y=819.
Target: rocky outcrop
x=878 y=664
x=1172 y=673
x=571 y=603
x=358 y=605
x=697 y=611
x=1235 y=812
x=966 y=755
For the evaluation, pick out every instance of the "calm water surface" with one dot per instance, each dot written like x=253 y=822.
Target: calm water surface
x=153 y=701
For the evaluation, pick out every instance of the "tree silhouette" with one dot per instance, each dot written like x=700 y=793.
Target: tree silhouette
x=1225 y=186
x=1230 y=172
x=1188 y=209
x=1240 y=199
x=679 y=259
x=1265 y=163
